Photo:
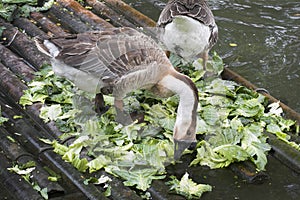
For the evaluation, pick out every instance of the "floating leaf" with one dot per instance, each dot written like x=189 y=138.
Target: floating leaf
x=233 y=44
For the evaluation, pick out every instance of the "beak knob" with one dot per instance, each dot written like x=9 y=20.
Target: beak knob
x=180 y=146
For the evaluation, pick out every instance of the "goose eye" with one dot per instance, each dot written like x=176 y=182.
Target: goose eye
x=188 y=132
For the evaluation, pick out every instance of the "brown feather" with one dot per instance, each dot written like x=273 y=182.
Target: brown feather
x=116 y=51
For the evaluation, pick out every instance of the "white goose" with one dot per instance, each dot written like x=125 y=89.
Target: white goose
x=120 y=60
x=189 y=29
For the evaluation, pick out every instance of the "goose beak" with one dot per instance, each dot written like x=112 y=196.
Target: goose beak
x=180 y=146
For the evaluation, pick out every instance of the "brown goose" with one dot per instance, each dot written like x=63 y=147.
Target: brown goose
x=120 y=60
x=189 y=28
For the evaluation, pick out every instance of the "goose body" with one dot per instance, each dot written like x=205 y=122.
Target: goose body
x=120 y=60
x=189 y=28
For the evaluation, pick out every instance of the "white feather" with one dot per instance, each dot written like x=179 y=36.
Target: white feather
x=186 y=37
x=53 y=50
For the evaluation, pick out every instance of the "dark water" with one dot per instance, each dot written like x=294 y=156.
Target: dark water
x=267 y=34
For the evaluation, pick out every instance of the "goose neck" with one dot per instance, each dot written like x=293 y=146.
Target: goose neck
x=188 y=102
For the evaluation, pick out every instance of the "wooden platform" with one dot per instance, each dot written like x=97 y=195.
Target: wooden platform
x=20 y=59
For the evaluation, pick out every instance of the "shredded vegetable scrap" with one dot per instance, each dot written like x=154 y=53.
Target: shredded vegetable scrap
x=187 y=187
x=2 y=119
x=232 y=120
x=9 y=9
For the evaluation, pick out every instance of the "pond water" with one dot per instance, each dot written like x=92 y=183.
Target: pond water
x=267 y=34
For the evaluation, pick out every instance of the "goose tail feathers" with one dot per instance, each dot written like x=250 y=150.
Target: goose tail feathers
x=46 y=47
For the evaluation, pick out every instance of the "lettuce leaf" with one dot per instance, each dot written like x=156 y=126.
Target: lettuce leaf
x=10 y=8
x=141 y=178
x=187 y=187
x=2 y=119
x=231 y=120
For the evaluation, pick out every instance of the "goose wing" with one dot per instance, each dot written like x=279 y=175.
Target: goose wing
x=112 y=53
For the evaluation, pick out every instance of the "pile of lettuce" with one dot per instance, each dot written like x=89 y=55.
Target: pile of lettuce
x=231 y=124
